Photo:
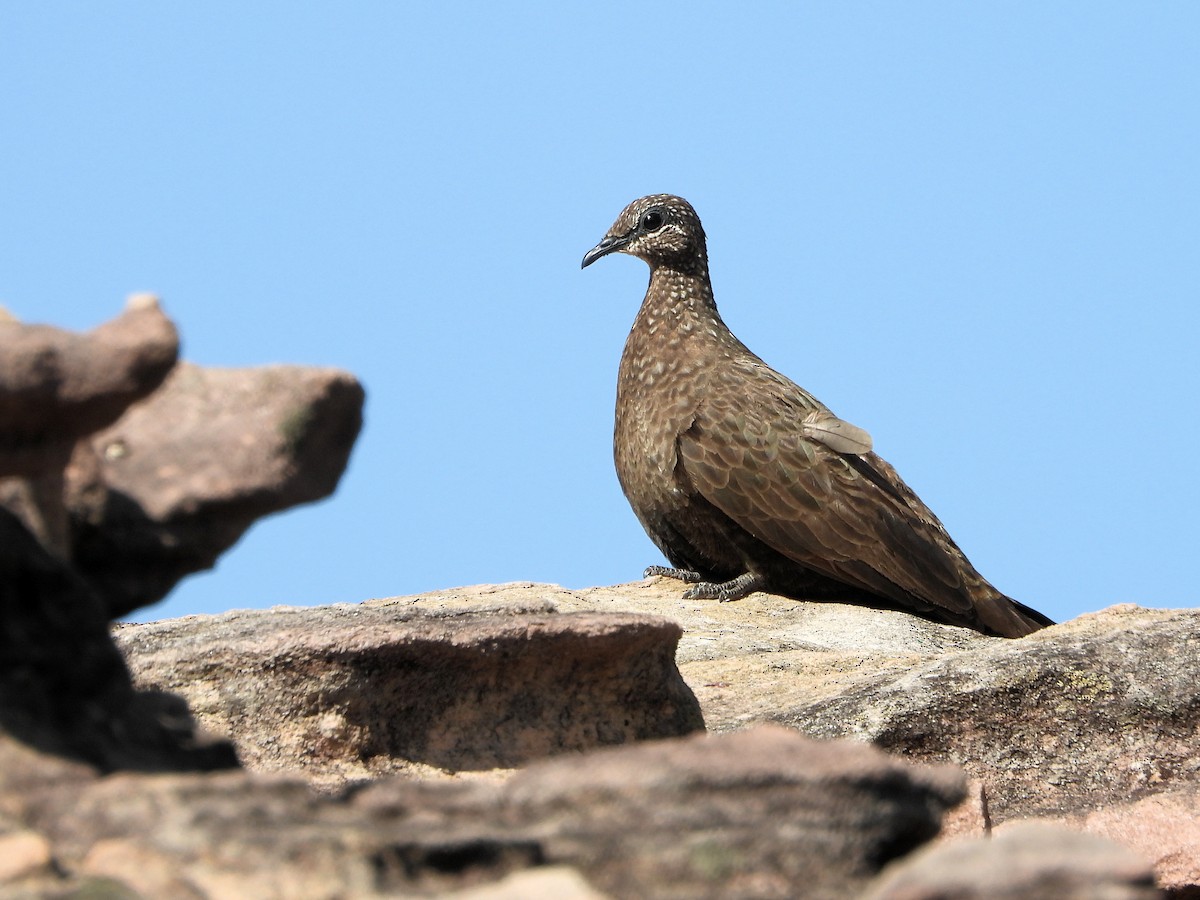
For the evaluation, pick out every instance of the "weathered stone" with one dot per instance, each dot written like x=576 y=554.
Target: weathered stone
x=351 y=691
x=759 y=813
x=752 y=660
x=63 y=684
x=136 y=495
x=542 y=883
x=1029 y=861
x=57 y=386
x=23 y=854
x=762 y=813
x=184 y=473
x=1099 y=710
x=470 y=677
x=1095 y=711
x=1163 y=828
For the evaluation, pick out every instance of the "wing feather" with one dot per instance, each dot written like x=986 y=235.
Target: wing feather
x=846 y=515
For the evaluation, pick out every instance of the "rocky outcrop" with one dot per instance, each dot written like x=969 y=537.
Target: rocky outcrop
x=120 y=472
x=56 y=386
x=762 y=813
x=181 y=476
x=1030 y=861
x=1087 y=724
x=64 y=687
x=356 y=691
x=135 y=471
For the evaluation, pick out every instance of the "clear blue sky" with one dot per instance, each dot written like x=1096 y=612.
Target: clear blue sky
x=972 y=229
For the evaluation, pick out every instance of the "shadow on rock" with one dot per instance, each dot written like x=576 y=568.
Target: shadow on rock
x=64 y=687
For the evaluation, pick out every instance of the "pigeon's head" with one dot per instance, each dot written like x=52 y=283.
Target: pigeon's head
x=661 y=229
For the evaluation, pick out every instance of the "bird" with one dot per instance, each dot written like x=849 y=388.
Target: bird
x=745 y=481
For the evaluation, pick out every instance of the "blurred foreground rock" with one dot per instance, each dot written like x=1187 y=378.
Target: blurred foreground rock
x=57 y=386
x=64 y=687
x=1030 y=861
x=182 y=475
x=763 y=813
x=136 y=471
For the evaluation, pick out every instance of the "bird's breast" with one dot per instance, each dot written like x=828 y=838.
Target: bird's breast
x=657 y=398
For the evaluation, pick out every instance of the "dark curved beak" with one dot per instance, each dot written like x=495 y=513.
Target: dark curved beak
x=605 y=247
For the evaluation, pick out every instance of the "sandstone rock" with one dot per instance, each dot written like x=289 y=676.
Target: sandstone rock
x=1092 y=712
x=351 y=691
x=63 y=684
x=56 y=386
x=1099 y=710
x=1105 y=706
x=136 y=495
x=1029 y=861
x=1163 y=828
x=763 y=813
x=89 y=533
x=23 y=854
x=756 y=813
x=752 y=660
x=183 y=474
x=1095 y=713
x=543 y=883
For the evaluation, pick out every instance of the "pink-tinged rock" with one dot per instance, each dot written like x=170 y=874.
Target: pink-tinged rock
x=1163 y=828
x=348 y=691
x=57 y=386
x=763 y=812
x=182 y=475
x=64 y=687
x=23 y=854
x=1027 y=861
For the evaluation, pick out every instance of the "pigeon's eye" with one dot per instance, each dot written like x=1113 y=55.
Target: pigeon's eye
x=653 y=220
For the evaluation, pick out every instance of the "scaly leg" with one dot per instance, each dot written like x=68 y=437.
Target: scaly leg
x=734 y=589
x=685 y=575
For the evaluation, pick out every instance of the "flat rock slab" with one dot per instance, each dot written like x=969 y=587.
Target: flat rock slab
x=748 y=661
x=354 y=691
x=1100 y=710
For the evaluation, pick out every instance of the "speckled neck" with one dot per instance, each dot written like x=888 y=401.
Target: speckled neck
x=676 y=297
x=679 y=317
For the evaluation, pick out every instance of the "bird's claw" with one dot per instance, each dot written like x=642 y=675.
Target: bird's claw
x=734 y=589
x=684 y=575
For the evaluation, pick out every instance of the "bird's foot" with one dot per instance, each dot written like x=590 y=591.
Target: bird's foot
x=734 y=589
x=685 y=575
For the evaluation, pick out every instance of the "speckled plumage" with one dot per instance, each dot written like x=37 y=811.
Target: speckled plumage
x=746 y=481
